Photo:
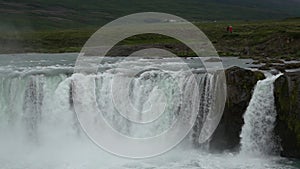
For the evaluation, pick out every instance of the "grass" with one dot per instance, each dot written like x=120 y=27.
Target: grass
x=256 y=39
x=63 y=14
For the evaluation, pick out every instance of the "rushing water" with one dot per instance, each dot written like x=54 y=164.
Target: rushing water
x=39 y=129
x=257 y=137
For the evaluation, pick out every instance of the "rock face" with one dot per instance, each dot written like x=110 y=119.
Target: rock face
x=287 y=100
x=240 y=85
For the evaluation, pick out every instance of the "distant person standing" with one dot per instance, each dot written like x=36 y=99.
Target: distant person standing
x=229 y=28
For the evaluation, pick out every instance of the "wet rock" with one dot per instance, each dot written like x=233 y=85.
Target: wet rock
x=256 y=62
x=280 y=68
x=287 y=101
x=240 y=85
x=283 y=67
x=213 y=60
x=276 y=61
x=292 y=66
x=274 y=71
x=265 y=67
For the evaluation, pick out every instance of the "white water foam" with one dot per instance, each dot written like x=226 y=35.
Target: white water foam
x=38 y=129
x=257 y=136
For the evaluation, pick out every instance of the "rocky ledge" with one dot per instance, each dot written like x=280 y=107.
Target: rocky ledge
x=240 y=86
x=287 y=101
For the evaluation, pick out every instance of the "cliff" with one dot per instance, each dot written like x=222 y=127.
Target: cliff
x=240 y=84
x=287 y=100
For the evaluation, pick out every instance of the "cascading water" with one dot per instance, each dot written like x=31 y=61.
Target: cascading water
x=39 y=128
x=37 y=108
x=257 y=137
x=34 y=102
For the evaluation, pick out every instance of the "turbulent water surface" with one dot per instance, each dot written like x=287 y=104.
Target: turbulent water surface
x=39 y=128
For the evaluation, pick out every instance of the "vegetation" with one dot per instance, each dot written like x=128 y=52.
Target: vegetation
x=256 y=39
x=287 y=95
x=64 y=14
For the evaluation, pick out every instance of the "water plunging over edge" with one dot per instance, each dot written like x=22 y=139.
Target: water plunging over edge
x=257 y=137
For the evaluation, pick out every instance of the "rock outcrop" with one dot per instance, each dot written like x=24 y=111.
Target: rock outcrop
x=287 y=100
x=240 y=85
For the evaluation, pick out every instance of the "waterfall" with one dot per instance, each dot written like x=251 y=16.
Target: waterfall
x=38 y=108
x=211 y=102
x=39 y=127
x=33 y=105
x=257 y=137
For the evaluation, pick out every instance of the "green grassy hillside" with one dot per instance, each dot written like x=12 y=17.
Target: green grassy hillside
x=62 y=14
x=275 y=39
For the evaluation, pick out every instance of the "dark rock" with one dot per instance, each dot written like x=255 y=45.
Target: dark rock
x=263 y=60
x=240 y=85
x=246 y=51
x=278 y=65
x=268 y=61
x=292 y=66
x=265 y=67
x=274 y=71
x=281 y=68
x=213 y=60
x=287 y=101
x=276 y=61
x=256 y=62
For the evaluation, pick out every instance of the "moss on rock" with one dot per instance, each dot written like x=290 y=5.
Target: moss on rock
x=287 y=100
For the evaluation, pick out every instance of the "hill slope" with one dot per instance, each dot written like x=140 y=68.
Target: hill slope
x=57 y=14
